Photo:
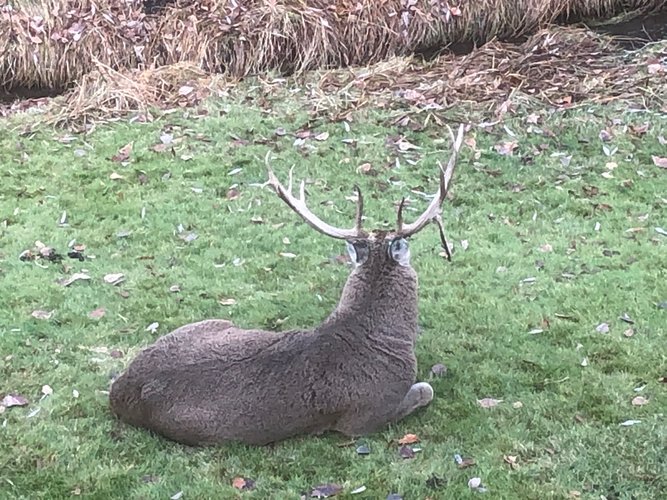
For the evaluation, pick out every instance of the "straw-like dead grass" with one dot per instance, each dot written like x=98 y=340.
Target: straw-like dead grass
x=558 y=66
x=253 y=36
x=106 y=94
x=48 y=44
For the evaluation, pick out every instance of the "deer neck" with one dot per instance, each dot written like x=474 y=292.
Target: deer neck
x=380 y=304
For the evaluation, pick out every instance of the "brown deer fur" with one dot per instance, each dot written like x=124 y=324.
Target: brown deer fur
x=211 y=382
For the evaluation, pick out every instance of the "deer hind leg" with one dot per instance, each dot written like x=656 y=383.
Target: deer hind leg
x=419 y=395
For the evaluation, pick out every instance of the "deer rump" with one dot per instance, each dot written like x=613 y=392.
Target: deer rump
x=211 y=382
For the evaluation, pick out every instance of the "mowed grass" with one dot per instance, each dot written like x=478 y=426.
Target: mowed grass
x=554 y=246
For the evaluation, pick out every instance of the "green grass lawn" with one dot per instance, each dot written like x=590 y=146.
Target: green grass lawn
x=550 y=242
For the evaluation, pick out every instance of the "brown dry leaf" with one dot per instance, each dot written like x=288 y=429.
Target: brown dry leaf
x=639 y=401
x=232 y=194
x=409 y=439
x=466 y=462
x=640 y=129
x=97 y=313
x=326 y=490
x=365 y=168
x=123 y=153
x=629 y=332
x=489 y=402
x=659 y=161
x=40 y=314
x=13 y=400
x=406 y=452
x=241 y=483
x=227 y=302
x=506 y=148
x=511 y=460
x=533 y=119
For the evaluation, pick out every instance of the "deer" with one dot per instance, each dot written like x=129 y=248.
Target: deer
x=212 y=382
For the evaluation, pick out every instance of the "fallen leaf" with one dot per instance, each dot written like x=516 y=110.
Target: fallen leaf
x=185 y=90
x=360 y=489
x=232 y=194
x=506 y=148
x=13 y=400
x=546 y=248
x=584 y=362
x=322 y=137
x=176 y=496
x=73 y=278
x=517 y=404
x=406 y=452
x=153 y=327
x=123 y=153
x=326 y=490
x=439 y=370
x=365 y=168
x=363 y=450
x=639 y=401
x=629 y=332
x=46 y=390
x=241 y=483
x=97 y=313
x=474 y=483
x=629 y=423
x=661 y=231
x=409 y=439
x=489 y=402
x=288 y=255
x=511 y=460
x=464 y=244
x=115 y=176
x=626 y=319
x=114 y=278
x=39 y=314
x=659 y=161
x=464 y=463
x=605 y=135
x=602 y=328
x=227 y=302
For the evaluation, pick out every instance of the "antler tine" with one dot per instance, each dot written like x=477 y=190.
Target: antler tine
x=399 y=221
x=300 y=207
x=360 y=209
x=432 y=212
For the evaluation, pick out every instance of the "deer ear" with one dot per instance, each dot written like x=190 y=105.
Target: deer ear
x=358 y=251
x=399 y=251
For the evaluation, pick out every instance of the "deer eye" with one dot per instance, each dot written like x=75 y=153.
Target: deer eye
x=358 y=251
x=399 y=251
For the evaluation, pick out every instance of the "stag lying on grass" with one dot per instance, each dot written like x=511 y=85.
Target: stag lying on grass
x=211 y=382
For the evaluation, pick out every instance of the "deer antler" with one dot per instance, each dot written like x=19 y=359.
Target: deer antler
x=433 y=211
x=299 y=206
